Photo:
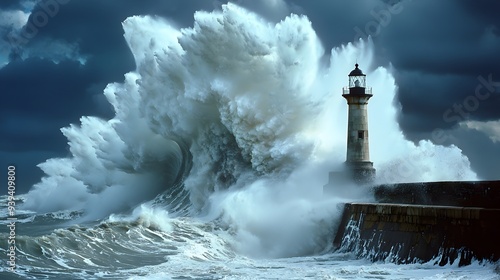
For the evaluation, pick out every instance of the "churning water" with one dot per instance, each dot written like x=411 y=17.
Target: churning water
x=214 y=164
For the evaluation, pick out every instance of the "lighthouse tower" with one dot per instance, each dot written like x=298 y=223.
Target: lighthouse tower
x=358 y=150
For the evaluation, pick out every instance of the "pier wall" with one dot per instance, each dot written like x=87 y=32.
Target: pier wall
x=483 y=194
x=457 y=224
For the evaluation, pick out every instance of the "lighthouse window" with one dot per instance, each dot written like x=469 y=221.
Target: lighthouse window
x=361 y=134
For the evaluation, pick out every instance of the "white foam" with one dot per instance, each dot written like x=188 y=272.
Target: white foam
x=147 y=216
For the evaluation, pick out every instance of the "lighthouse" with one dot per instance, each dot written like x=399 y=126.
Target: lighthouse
x=357 y=95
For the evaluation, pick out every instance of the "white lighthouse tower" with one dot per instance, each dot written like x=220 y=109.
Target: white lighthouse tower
x=357 y=95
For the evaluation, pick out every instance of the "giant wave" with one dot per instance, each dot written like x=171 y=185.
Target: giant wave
x=236 y=121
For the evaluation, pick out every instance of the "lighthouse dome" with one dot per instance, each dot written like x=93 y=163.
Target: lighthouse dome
x=356 y=71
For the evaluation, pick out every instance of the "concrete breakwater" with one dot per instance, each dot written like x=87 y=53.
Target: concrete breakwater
x=452 y=222
x=483 y=194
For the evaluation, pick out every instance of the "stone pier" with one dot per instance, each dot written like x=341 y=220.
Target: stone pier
x=459 y=222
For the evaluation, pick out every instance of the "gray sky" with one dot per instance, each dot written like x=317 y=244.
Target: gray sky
x=56 y=57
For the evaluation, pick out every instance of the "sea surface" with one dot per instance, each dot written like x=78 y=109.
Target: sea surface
x=149 y=244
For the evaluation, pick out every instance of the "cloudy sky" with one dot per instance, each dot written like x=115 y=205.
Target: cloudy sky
x=56 y=57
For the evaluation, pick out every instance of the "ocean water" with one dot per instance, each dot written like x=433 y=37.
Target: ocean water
x=214 y=164
x=149 y=244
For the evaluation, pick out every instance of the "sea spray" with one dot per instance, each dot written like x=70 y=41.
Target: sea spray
x=146 y=215
x=241 y=114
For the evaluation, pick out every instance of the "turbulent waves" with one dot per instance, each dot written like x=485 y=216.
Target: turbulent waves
x=148 y=244
x=221 y=143
x=108 y=249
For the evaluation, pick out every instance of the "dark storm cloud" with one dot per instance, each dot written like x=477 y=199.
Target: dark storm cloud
x=438 y=50
x=444 y=54
x=44 y=88
x=336 y=22
x=38 y=98
x=431 y=101
x=10 y=4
